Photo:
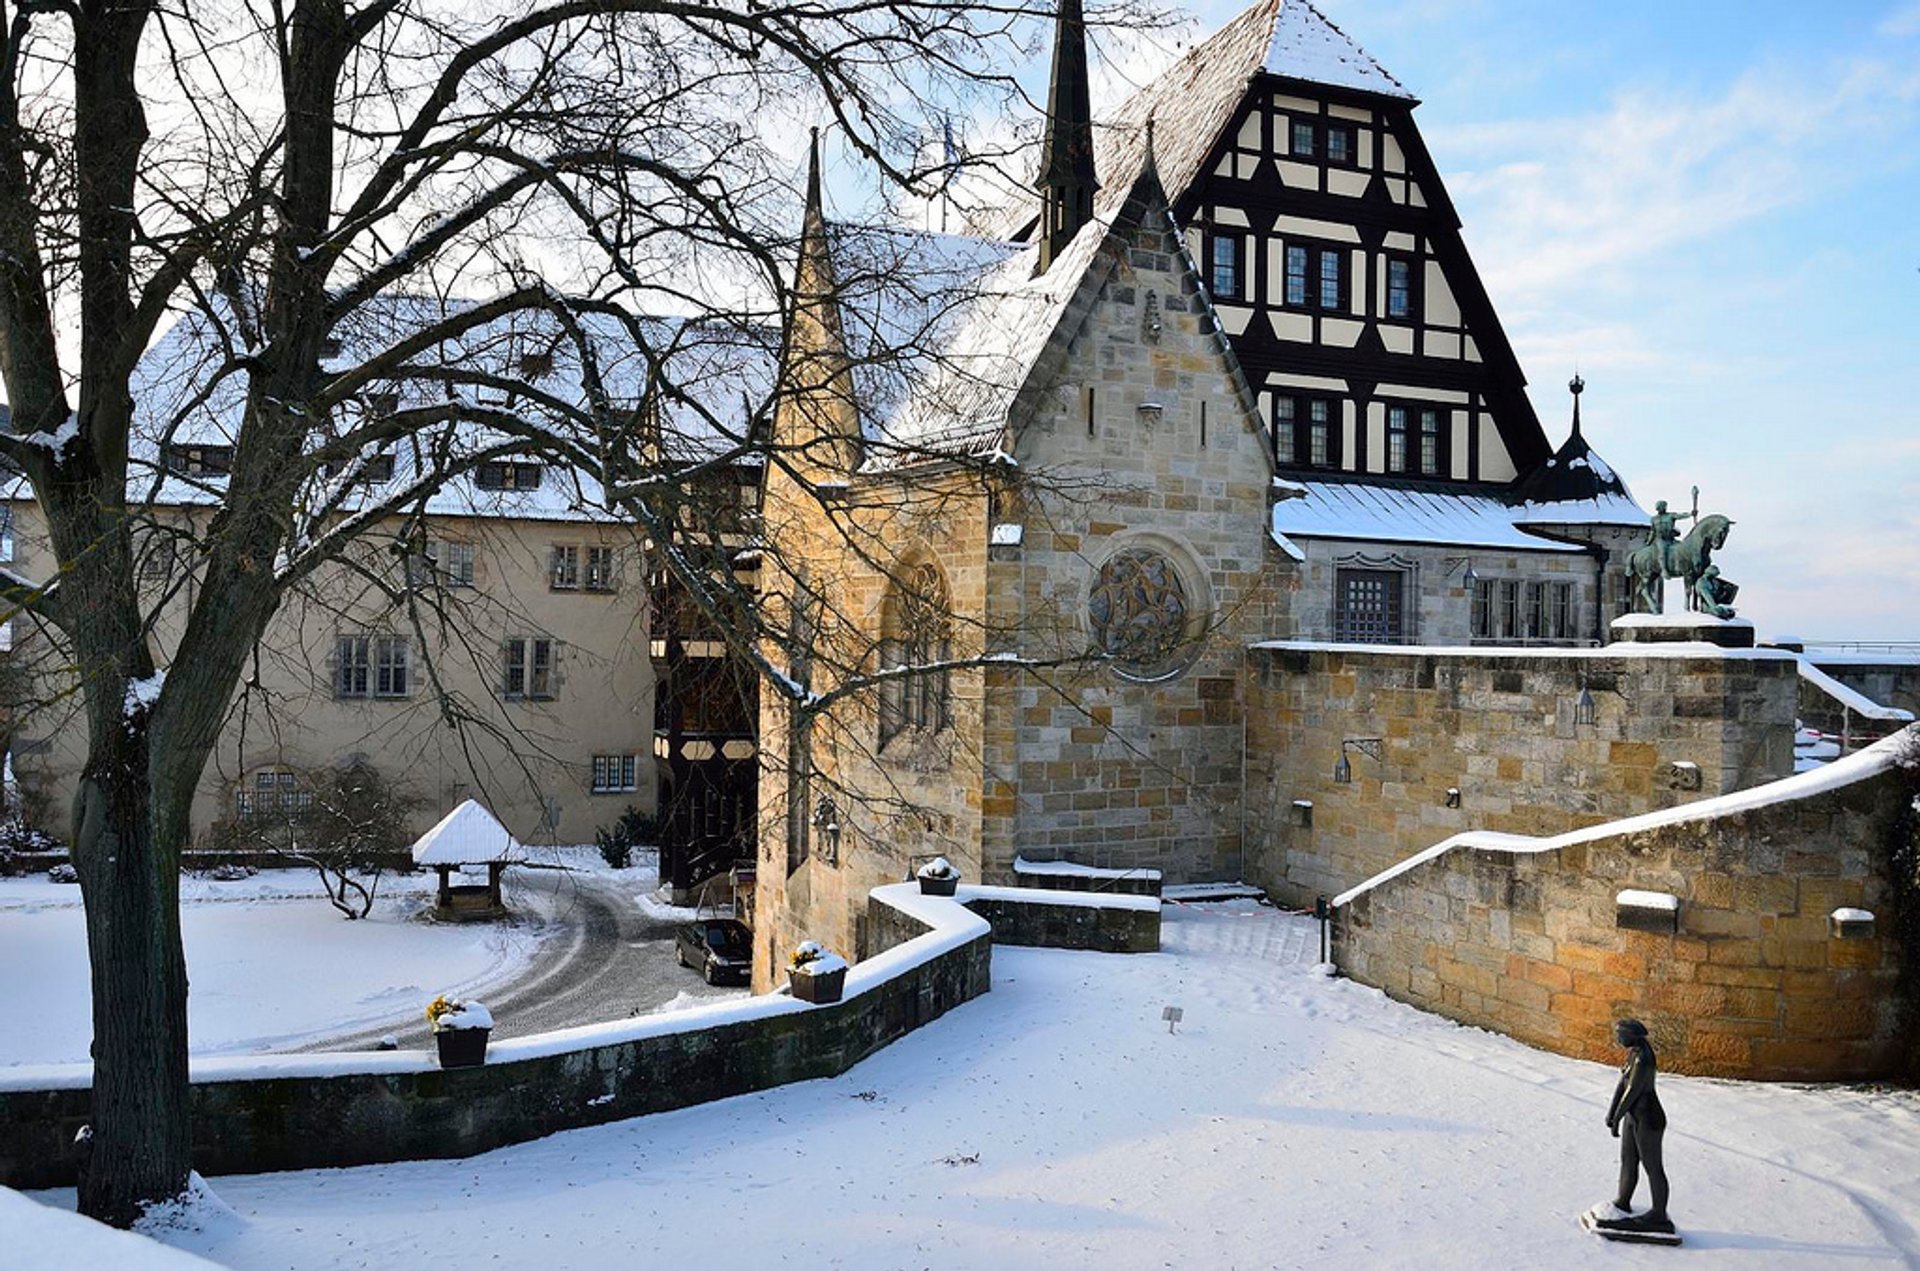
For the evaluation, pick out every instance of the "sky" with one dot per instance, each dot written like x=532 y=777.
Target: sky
x=1711 y=209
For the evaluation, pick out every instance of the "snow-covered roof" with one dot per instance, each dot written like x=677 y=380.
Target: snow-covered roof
x=1404 y=514
x=190 y=389
x=1306 y=46
x=468 y=835
x=1192 y=102
x=1575 y=486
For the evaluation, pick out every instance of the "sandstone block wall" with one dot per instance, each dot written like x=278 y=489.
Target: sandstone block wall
x=1498 y=728
x=1753 y=983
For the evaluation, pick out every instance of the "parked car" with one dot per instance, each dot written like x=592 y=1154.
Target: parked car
x=719 y=948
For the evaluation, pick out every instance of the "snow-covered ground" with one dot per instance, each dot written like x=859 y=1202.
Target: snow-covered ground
x=271 y=963
x=1291 y=1121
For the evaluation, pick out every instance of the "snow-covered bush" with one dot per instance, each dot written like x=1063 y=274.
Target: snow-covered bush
x=62 y=874
x=17 y=837
x=231 y=872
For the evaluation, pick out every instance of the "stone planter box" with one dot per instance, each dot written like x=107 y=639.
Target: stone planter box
x=818 y=989
x=462 y=1047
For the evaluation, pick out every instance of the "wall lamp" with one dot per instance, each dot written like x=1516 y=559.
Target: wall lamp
x=1470 y=577
x=1374 y=747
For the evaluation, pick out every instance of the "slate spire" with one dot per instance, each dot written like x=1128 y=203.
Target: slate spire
x=1066 y=182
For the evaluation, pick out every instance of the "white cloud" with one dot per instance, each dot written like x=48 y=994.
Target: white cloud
x=1902 y=21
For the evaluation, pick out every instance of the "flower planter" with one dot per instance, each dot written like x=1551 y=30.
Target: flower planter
x=818 y=989
x=462 y=1047
x=939 y=886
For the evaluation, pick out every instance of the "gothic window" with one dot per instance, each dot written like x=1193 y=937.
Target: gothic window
x=1140 y=612
x=1369 y=606
x=916 y=636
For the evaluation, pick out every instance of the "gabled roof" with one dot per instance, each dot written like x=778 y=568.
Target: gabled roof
x=1402 y=514
x=1193 y=101
x=468 y=835
x=189 y=389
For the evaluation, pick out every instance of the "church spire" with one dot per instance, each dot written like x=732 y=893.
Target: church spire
x=1066 y=181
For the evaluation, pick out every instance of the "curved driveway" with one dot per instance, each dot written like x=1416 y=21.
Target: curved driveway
x=601 y=959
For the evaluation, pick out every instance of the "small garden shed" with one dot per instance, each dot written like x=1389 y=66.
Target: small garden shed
x=468 y=835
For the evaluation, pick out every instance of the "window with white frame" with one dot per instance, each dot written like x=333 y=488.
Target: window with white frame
x=615 y=773
x=599 y=569
x=564 y=568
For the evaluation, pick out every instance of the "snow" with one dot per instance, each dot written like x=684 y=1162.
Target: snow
x=468 y=835
x=1678 y=618
x=43 y=1236
x=1045 y=896
x=1395 y=514
x=1676 y=649
x=1608 y=509
x=465 y=1015
x=273 y=966
x=825 y=962
x=142 y=693
x=1855 y=657
x=1007 y=534
x=938 y=867
x=1847 y=913
x=56 y=442
x=1857 y=702
x=1292 y=1121
x=1633 y=898
x=1307 y=46
x=1862 y=765
x=1021 y=865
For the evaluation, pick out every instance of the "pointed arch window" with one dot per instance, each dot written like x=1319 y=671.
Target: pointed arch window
x=916 y=636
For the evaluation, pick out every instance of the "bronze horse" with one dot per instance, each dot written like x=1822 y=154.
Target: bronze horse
x=1691 y=556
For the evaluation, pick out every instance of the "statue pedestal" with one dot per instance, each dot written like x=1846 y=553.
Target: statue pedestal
x=1683 y=628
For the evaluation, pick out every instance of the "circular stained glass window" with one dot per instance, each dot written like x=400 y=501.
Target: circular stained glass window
x=1139 y=611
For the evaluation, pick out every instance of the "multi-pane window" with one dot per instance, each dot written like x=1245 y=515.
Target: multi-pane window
x=1320 y=433
x=1396 y=439
x=564 y=568
x=1399 y=287
x=372 y=468
x=508 y=475
x=1368 y=606
x=272 y=790
x=1296 y=293
x=372 y=666
x=1430 y=442
x=1481 y=623
x=451 y=562
x=199 y=460
x=916 y=640
x=1508 y=614
x=1315 y=277
x=1340 y=149
x=391 y=666
x=1330 y=279
x=615 y=773
x=352 y=667
x=1507 y=609
x=1303 y=431
x=1302 y=138
x=527 y=668
x=1226 y=275
x=599 y=569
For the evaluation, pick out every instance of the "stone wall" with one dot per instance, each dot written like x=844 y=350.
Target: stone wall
x=1753 y=982
x=1881 y=678
x=1498 y=727
x=400 y=1107
x=1104 y=924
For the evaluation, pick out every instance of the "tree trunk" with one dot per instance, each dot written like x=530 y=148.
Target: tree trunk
x=142 y=1134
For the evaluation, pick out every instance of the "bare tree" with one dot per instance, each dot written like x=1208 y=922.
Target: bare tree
x=514 y=171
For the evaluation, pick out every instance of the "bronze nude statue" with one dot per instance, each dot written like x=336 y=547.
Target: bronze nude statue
x=1640 y=1123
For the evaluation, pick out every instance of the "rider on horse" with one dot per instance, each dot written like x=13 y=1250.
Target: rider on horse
x=1665 y=535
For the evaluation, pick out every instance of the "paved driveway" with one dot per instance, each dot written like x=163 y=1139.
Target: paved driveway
x=603 y=959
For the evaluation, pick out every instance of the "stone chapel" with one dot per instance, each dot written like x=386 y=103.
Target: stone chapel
x=1228 y=376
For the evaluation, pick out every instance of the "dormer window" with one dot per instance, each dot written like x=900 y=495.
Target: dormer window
x=515 y=474
x=199 y=461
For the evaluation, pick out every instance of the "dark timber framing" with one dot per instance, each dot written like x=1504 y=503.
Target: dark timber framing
x=1494 y=387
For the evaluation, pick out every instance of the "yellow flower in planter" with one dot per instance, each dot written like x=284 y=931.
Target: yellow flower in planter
x=441 y=1005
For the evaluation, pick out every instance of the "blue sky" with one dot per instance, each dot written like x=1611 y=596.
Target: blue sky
x=1713 y=208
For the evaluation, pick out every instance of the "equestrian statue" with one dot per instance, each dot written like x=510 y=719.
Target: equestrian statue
x=1667 y=555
